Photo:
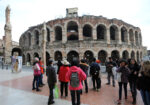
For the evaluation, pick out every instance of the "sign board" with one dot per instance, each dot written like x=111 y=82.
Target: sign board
x=16 y=63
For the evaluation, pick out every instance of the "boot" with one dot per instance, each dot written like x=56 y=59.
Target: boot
x=134 y=101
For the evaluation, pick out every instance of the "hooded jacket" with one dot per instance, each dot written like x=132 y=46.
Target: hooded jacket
x=81 y=74
x=62 y=73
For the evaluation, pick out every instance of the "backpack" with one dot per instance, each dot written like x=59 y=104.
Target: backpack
x=94 y=70
x=74 y=81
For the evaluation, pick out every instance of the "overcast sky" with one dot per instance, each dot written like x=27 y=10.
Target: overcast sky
x=26 y=13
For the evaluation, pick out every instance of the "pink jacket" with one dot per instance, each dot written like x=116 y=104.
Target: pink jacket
x=81 y=74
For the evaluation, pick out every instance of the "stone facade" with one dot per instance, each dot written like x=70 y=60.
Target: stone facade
x=84 y=37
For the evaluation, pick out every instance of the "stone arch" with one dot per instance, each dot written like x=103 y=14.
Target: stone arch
x=113 y=32
x=58 y=56
x=58 y=33
x=28 y=58
x=101 y=32
x=36 y=37
x=138 y=56
x=102 y=55
x=136 y=38
x=87 y=31
x=131 y=36
x=72 y=30
x=48 y=34
x=23 y=59
x=72 y=54
x=141 y=55
x=16 y=51
x=47 y=57
x=29 y=38
x=125 y=55
x=124 y=34
x=88 y=55
x=132 y=55
x=36 y=55
x=115 y=54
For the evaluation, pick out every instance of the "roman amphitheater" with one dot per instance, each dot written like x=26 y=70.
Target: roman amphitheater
x=84 y=36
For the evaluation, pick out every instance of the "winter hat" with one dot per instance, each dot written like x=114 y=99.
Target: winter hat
x=65 y=62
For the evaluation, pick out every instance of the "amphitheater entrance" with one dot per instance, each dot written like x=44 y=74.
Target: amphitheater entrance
x=125 y=55
x=28 y=58
x=47 y=57
x=88 y=55
x=23 y=59
x=71 y=55
x=58 y=55
x=16 y=52
x=115 y=55
x=102 y=55
x=36 y=55
x=72 y=31
x=132 y=55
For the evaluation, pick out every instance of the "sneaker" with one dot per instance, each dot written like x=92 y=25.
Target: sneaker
x=118 y=101
x=52 y=102
x=113 y=85
x=38 y=90
x=33 y=88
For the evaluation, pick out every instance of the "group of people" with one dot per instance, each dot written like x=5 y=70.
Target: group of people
x=137 y=75
x=74 y=74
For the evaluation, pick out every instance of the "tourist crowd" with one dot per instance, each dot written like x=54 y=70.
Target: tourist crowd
x=74 y=74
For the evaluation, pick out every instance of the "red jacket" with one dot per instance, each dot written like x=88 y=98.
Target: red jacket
x=82 y=76
x=62 y=73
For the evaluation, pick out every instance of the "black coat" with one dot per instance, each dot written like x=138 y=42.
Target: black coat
x=84 y=67
x=51 y=75
x=133 y=69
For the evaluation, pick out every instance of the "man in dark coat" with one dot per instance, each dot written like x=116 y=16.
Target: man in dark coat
x=109 y=65
x=51 y=79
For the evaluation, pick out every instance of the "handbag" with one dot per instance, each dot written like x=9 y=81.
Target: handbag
x=56 y=91
x=119 y=77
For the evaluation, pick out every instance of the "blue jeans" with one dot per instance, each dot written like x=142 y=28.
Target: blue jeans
x=36 y=79
x=41 y=79
x=145 y=96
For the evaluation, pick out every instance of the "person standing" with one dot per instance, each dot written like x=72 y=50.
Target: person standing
x=37 y=73
x=124 y=79
x=84 y=67
x=51 y=80
x=143 y=82
x=62 y=77
x=42 y=72
x=109 y=65
x=134 y=70
x=95 y=73
x=75 y=75
x=59 y=64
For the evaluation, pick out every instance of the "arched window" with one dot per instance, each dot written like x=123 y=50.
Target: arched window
x=58 y=55
x=101 y=32
x=138 y=57
x=113 y=32
x=131 y=36
x=88 y=55
x=71 y=55
x=87 y=31
x=125 y=55
x=72 y=31
x=29 y=38
x=137 y=38
x=28 y=58
x=36 y=54
x=58 y=33
x=123 y=34
x=115 y=55
x=102 y=55
x=36 y=37
x=48 y=35
x=132 y=55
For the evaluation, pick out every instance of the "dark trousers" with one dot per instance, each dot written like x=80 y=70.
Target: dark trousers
x=36 y=79
x=133 y=89
x=51 y=96
x=109 y=76
x=41 y=79
x=98 y=82
x=75 y=97
x=145 y=97
x=62 y=86
x=120 y=90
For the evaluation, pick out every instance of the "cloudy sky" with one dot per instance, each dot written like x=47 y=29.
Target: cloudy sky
x=26 y=13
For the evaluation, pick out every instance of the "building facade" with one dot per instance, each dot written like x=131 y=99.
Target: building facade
x=83 y=37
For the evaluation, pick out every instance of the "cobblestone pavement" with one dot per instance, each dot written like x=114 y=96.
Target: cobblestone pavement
x=16 y=89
